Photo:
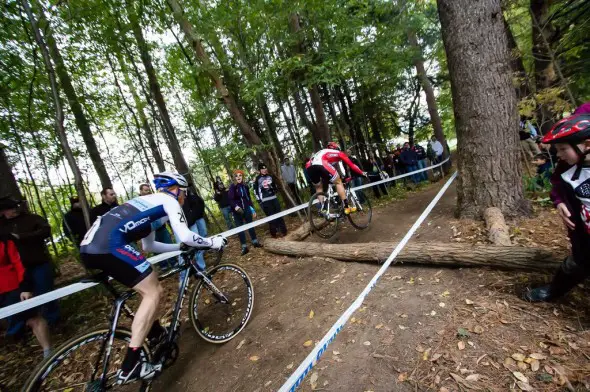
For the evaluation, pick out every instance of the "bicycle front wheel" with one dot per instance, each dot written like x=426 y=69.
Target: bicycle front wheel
x=221 y=304
x=323 y=215
x=361 y=219
x=78 y=364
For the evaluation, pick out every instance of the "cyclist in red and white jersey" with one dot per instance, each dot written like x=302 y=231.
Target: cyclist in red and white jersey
x=321 y=167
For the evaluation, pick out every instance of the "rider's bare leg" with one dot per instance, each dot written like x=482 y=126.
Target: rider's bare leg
x=150 y=290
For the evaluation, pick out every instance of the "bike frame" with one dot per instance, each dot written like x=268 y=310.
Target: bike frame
x=330 y=193
x=120 y=304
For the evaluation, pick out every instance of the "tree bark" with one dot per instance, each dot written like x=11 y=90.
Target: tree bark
x=519 y=73
x=322 y=124
x=429 y=91
x=76 y=107
x=173 y=144
x=485 y=110
x=303 y=119
x=431 y=253
x=59 y=115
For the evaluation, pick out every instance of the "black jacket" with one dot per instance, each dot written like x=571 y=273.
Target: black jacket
x=32 y=231
x=408 y=157
x=100 y=210
x=75 y=222
x=265 y=188
x=221 y=197
x=194 y=208
x=420 y=152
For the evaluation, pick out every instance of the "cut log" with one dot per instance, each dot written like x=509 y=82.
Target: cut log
x=498 y=232
x=429 y=253
x=304 y=230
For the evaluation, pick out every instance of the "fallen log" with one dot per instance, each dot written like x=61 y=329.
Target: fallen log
x=304 y=230
x=498 y=232
x=427 y=253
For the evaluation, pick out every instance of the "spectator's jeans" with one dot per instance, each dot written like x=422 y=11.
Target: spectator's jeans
x=42 y=276
x=271 y=207
x=245 y=217
x=200 y=227
x=226 y=211
x=415 y=177
x=358 y=181
x=422 y=165
x=16 y=324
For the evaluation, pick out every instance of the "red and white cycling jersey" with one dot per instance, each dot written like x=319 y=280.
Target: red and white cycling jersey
x=328 y=157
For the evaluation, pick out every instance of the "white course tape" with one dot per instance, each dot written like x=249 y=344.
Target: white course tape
x=299 y=374
x=74 y=288
x=67 y=290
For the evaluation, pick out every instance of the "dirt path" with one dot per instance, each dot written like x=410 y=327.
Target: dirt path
x=405 y=336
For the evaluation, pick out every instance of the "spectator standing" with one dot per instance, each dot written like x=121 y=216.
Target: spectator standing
x=109 y=201
x=194 y=212
x=73 y=223
x=357 y=179
x=421 y=154
x=438 y=149
x=242 y=209
x=373 y=168
x=16 y=286
x=409 y=159
x=543 y=163
x=289 y=174
x=29 y=231
x=266 y=190
x=221 y=196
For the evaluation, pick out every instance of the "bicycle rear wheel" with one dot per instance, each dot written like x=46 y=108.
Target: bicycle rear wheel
x=323 y=225
x=221 y=305
x=361 y=219
x=72 y=366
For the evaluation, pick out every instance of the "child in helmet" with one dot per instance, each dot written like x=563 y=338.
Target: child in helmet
x=571 y=196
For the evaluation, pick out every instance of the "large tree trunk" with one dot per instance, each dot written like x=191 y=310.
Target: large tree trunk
x=8 y=185
x=76 y=107
x=59 y=115
x=484 y=104
x=428 y=90
x=303 y=119
x=430 y=253
x=173 y=144
x=322 y=124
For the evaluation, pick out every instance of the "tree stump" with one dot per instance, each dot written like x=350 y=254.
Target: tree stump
x=429 y=253
x=498 y=232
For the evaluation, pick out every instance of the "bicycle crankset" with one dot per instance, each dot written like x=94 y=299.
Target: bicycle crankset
x=166 y=354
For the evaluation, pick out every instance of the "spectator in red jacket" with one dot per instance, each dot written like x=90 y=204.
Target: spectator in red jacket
x=16 y=286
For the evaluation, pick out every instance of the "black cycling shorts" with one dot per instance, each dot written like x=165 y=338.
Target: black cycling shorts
x=128 y=272
x=317 y=173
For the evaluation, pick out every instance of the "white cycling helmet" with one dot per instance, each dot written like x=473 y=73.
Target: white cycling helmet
x=168 y=179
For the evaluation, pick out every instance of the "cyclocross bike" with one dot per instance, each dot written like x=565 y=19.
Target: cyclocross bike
x=220 y=305
x=325 y=210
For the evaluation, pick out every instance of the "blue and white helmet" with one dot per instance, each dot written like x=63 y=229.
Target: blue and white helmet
x=168 y=179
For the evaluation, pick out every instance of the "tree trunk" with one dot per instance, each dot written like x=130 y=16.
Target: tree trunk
x=294 y=135
x=430 y=253
x=215 y=133
x=519 y=73
x=59 y=115
x=332 y=111
x=305 y=120
x=429 y=91
x=76 y=107
x=8 y=185
x=271 y=127
x=173 y=144
x=485 y=110
x=320 y=115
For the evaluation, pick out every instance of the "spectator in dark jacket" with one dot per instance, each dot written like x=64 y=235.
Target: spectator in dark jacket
x=221 y=196
x=266 y=190
x=109 y=201
x=242 y=209
x=373 y=167
x=409 y=159
x=194 y=212
x=357 y=179
x=29 y=232
x=15 y=286
x=73 y=224
x=421 y=154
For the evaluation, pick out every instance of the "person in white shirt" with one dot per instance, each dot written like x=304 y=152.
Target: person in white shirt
x=438 y=149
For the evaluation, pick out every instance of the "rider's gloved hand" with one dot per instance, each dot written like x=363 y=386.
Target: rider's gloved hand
x=184 y=247
x=365 y=174
x=218 y=242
